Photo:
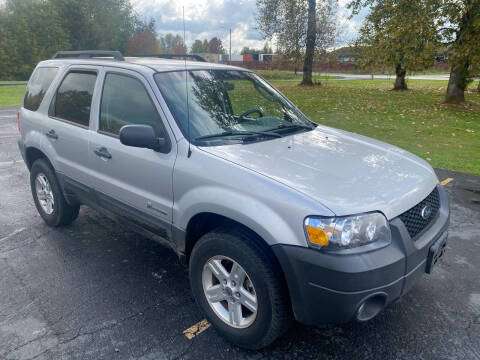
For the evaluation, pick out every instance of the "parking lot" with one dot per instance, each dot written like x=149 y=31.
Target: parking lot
x=95 y=290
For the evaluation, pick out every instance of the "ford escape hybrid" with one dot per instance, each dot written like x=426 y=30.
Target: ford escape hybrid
x=278 y=218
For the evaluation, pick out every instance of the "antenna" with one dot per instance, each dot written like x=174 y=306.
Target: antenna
x=189 y=153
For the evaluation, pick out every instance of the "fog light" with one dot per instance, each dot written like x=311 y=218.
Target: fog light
x=371 y=307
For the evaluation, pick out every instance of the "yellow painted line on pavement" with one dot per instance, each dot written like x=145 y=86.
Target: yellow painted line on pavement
x=11 y=162
x=196 y=329
x=9 y=136
x=446 y=181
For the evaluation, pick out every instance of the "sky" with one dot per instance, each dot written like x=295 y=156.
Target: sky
x=206 y=19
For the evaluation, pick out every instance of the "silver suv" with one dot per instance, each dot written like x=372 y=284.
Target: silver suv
x=276 y=217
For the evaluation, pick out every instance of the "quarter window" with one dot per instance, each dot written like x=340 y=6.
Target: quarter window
x=37 y=87
x=74 y=97
x=126 y=102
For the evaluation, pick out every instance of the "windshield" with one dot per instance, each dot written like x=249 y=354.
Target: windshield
x=228 y=105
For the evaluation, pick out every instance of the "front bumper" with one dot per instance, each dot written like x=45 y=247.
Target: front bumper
x=328 y=288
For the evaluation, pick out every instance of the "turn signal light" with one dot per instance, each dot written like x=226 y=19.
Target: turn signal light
x=317 y=236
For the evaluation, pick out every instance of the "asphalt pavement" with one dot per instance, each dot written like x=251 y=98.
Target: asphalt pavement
x=95 y=290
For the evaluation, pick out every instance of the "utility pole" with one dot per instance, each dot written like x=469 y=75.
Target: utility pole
x=230 y=56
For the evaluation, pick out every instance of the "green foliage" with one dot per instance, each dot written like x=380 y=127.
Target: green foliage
x=199 y=47
x=398 y=34
x=265 y=50
x=461 y=31
x=172 y=44
x=93 y=24
x=33 y=30
x=30 y=31
x=143 y=41
x=215 y=46
x=287 y=22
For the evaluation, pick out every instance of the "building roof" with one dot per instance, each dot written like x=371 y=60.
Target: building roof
x=347 y=51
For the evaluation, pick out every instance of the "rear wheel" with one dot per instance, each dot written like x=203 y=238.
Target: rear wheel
x=48 y=197
x=238 y=285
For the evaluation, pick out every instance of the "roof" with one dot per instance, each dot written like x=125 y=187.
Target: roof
x=144 y=63
x=349 y=51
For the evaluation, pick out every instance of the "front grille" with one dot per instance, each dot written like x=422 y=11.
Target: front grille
x=413 y=220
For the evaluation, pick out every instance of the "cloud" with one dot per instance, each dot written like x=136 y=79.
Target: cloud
x=206 y=19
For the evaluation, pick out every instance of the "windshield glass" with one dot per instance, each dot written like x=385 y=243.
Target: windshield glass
x=228 y=105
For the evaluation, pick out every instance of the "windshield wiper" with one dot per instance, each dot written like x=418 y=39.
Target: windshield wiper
x=234 y=133
x=292 y=126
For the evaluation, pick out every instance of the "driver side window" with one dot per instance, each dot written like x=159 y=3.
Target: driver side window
x=125 y=101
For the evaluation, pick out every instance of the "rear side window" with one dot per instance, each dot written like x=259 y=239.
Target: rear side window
x=74 y=97
x=37 y=87
x=125 y=101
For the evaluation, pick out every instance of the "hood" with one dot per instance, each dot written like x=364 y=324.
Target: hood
x=345 y=172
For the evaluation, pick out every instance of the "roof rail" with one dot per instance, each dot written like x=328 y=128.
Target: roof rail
x=173 y=56
x=88 y=54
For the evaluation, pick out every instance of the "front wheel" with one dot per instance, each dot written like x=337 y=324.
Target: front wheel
x=239 y=286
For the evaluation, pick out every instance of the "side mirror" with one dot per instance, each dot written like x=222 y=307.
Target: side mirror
x=143 y=136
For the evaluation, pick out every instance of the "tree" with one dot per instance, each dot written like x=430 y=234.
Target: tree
x=93 y=24
x=172 y=44
x=179 y=49
x=387 y=39
x=33 y=30
x=197 y=47
x=30 y=31
x=144 y=40
x=206 y=46
x=462 y=34
x=301 y=28
x=215 y=46
x=265 y=50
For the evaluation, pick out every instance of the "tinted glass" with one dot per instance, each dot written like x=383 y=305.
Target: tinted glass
x=37 y=87
x=74 y=97
x=124 y=102
x=225 y=101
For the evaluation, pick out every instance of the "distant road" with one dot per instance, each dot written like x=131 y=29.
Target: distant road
x=341 y=76
x=10 y=83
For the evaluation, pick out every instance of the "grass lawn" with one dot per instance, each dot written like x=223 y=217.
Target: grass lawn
x=11 y=95
x=413 y=120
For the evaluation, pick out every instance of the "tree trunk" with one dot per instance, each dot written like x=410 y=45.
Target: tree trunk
x=400 y=83
x=478 y=87
x=457 y=84
x=311 y=37
x=460 y=64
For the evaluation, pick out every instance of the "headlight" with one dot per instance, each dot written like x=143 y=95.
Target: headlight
x=347 y=231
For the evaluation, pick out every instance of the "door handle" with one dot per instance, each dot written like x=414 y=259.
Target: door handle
x=102 y=152
x=52 y=134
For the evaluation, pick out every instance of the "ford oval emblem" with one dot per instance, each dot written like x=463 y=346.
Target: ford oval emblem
x=426 y=212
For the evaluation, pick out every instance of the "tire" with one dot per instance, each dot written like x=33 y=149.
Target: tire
x=273 y=314
x=58 y=213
